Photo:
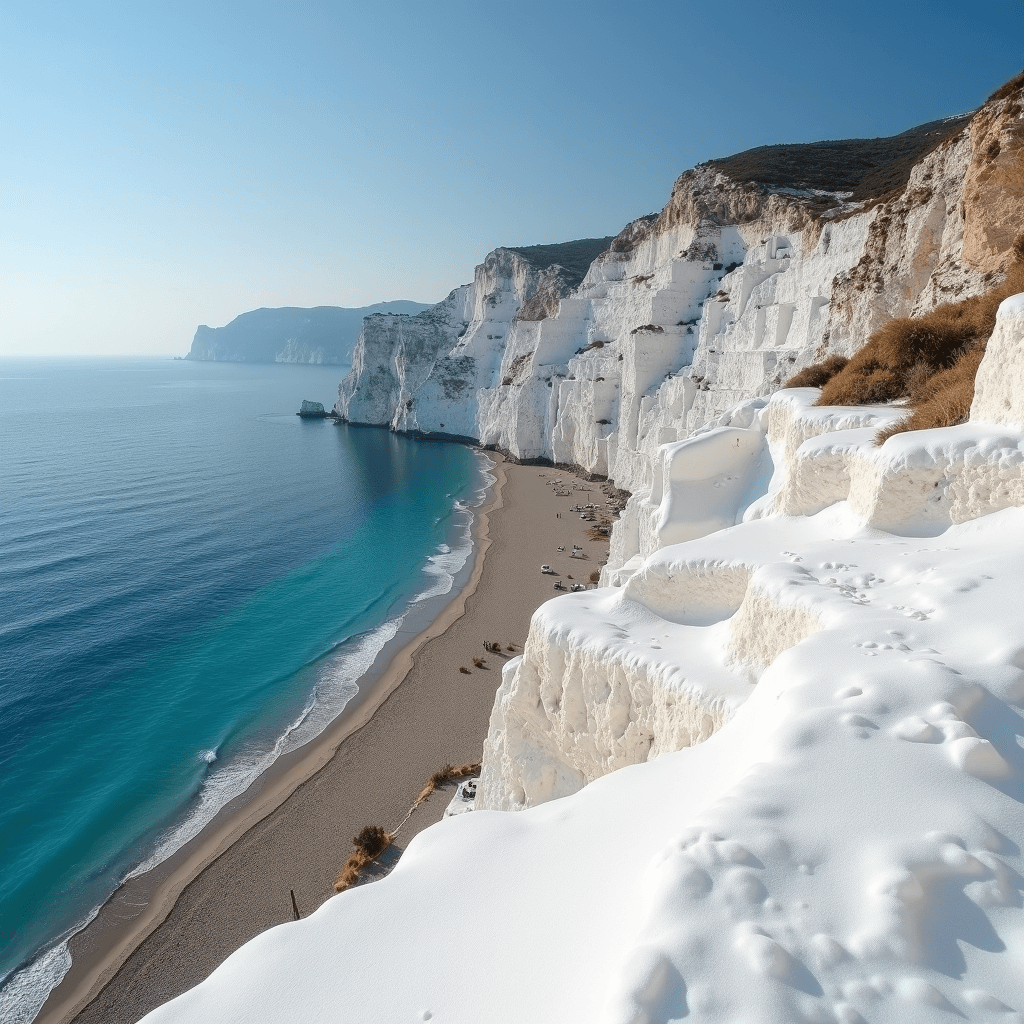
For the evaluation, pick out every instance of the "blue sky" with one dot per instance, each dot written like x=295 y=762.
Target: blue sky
x=170 y=164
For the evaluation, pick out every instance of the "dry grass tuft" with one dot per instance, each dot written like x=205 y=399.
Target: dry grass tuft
x=1008 y=88
x=817 y=375
x=930 y=360
x=445 y=774
x=369 y=844
x=943 y=400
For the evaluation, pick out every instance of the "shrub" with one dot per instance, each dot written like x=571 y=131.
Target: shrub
x=372 y=840
x=817 y=375
x=595 y=576
x=369 y=844
x=509 y=647
x=930 y=360
x=464 y=670
x=478 y=662
x=943 y=400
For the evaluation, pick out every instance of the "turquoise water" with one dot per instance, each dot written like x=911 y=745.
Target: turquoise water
x=191 y=580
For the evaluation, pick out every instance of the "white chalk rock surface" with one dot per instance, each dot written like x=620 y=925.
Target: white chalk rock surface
x=999 y=385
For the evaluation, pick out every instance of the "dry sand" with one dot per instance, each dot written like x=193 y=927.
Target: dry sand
x=234 y=882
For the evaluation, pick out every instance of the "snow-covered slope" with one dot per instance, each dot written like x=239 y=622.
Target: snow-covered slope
x=839 y=837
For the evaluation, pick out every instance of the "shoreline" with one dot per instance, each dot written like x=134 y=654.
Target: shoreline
x=91 y=970
x=232 y=881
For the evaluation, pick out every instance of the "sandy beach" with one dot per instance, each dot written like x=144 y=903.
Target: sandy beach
x=161 y=935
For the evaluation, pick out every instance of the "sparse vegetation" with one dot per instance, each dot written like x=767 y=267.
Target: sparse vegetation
x=445 y=774
x=369 y=844
x=868 y=168
x=372 y=840
x=1006 y=90
x=573 y=257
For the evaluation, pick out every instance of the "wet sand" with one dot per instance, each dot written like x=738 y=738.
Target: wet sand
x=154 y=940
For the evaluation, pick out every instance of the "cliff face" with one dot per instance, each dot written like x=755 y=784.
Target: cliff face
x=756 y=266
x=323 y=334
x=427 y=372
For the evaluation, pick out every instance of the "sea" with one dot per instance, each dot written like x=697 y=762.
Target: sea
x=192 y=581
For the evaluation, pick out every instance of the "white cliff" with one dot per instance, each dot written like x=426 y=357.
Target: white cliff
x=727 y=292
x=424 y=373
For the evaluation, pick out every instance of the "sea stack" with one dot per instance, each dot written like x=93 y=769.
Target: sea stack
x=311 y=410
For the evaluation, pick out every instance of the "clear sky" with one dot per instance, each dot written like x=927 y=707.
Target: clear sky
x=169 y=164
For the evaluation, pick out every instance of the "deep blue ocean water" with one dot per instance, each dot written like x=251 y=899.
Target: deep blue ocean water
x=191 y=580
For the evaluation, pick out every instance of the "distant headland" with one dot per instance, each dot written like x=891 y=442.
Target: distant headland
x=291 y=334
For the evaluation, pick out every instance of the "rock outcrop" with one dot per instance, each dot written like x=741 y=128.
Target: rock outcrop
x=426 y=373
